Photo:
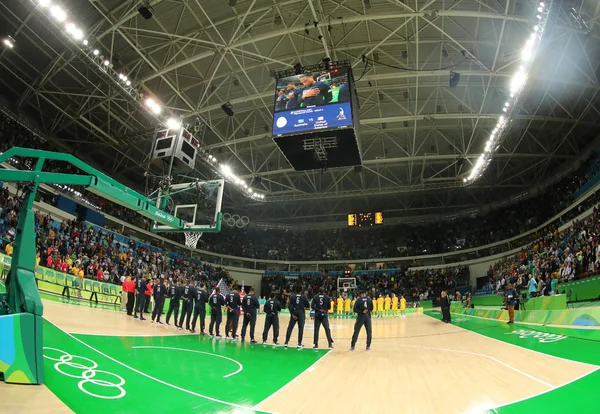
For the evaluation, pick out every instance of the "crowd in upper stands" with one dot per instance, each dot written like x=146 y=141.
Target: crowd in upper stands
x=563 y=256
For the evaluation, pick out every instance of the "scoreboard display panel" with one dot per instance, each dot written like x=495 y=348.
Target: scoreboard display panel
x=365 y=219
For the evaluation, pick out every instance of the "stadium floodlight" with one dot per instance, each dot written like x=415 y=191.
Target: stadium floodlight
x=96 y=52
x=536 y=28
x=77 y=34
x=44 y=3
x=85 y=42
x=517 y=81
x=106 y=63
x=9 y=42
x=173 y=123
x=128 y=83
x=539 y=17
x=540 y=9
x=121 y=76
x=58 y=13
x=70 y=27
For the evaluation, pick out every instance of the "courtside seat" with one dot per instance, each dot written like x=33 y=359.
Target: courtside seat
x=87 y=285
x=60 y=278
x=39 y=274
x=113 y=290
x=50 y=276
x=69 y=279
x=96 y=287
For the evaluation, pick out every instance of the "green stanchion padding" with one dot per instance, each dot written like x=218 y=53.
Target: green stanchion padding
x=21 y=359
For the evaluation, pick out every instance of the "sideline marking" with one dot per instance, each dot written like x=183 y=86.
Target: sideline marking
x=241 y=367
x=311 y=368
x=243 y=407
x=458 y=351
x=493 y=407
x=520 y=347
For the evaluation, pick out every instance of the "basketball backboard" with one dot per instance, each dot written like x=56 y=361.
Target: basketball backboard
x=197 y=203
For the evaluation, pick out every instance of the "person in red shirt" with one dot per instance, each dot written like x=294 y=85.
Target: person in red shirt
x=49 y=262
x=100 y=275
x=149 y=290
x=129 y=288
x=64 y=267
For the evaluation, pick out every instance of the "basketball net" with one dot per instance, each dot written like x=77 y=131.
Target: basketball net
x=191 y=238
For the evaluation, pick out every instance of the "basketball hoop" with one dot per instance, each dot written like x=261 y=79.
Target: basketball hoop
x=191 y=238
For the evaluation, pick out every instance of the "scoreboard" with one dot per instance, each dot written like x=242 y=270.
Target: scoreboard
x=365 y=219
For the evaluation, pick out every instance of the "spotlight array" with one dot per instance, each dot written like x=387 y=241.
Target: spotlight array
x=517 y=83
x=9 y=42
x=96 y=56
x=228 y=174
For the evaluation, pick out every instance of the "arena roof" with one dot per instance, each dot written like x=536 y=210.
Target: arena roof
x=195 y=55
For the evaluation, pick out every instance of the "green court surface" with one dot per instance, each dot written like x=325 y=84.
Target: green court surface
x=196 y=374
x=580 y=396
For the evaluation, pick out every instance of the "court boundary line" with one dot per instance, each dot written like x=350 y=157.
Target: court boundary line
x=494 y=407
x=310 y=368
x=195 y=352
x=483 y=356
x=159 y=380
x=520 y=347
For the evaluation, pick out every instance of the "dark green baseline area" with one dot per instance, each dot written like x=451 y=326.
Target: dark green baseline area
x=195 y=374
x=578 y=397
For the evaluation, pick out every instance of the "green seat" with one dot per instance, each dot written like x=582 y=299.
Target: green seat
x=96 y=287
x=105 y=288
x=7 y=260
x=60 y=278
x=39 y=274
x=113 y=290
x=69 y=280
x=87 y=285
x=50 y=276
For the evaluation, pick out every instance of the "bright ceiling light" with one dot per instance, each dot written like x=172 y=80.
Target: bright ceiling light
x=250 y=191
x=517 y=81
x=226 y=169
x=504 y=109
x=128 y=83
x=8 y=43
x=502 y=119
x=507 y=104
x=536 y=28
x=70 y=27
x=78 y=34
x=540 y=9
x=85 y=42
x=106 y=63
x=539 y=17
x=58 y=13
x=44 y=3
x=96 y=52
x=488 y=146
x=173 y=123
x=121 y=76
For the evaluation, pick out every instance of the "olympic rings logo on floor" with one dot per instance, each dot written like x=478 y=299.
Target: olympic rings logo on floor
x=542 y=337
x=66 y=363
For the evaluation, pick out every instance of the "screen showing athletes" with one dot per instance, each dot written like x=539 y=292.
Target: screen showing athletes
x=312 y=101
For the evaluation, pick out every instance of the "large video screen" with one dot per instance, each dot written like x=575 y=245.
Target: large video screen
x=312 y=101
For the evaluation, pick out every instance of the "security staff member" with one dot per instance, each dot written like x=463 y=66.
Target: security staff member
x=511 y=299
x=201 y=299
x=297 y=305
x=313 y=92
x=159 y=293
x=271 y=308
x=140 y=290
x=216 y=301
x=250 y=307
x=233 y=305
x=187 y=296
x=363 y=308
x=320 y=304
x=445 y=305
x=174 y=295
x=129 y=287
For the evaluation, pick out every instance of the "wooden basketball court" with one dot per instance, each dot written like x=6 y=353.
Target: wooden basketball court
x=416 y=364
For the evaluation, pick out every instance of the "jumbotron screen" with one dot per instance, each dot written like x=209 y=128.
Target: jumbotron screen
x=312 y=102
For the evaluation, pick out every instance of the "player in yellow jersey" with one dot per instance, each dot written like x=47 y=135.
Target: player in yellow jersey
x=331 y=306
x=352 y=305
x=394 y=304
x=387 y=304
x=380 y=305
x=340 y=307
x=402 y=306
x=347 y=308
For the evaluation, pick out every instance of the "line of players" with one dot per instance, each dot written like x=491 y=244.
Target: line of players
x=342 y=307
x=194 y=300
